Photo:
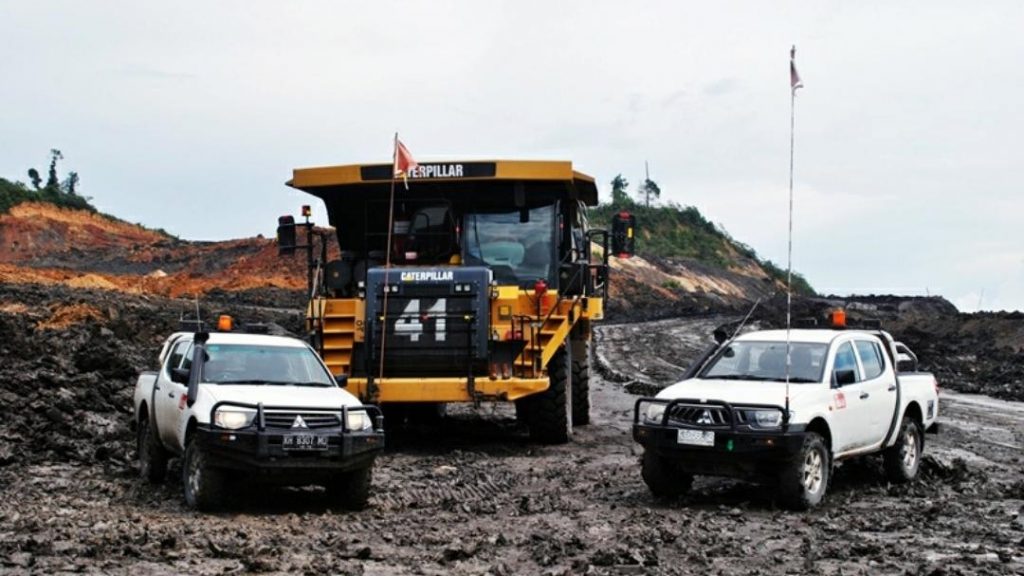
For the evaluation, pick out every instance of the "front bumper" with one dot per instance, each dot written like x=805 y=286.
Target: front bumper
x=738 y=449
x=260 y=448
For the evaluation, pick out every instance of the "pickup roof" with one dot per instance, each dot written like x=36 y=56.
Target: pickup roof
x=264 y=406
x=737 y=416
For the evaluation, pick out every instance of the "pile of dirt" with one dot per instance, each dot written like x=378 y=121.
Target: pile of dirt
x=71 y=357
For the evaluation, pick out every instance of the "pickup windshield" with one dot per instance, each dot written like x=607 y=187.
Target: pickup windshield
x=270 y=365
x=748 y=360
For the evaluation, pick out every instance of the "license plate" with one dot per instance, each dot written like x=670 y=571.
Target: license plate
x=696 y=437
x=304 y=442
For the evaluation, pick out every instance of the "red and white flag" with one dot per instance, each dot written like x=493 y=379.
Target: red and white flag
x=794 y=77
x=404 y=162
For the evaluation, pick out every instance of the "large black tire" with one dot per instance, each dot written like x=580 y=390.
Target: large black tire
x=549 y=414
x=204 y=484
x=903 y=459
x=663 y=477
x=804 y=480
x=351 y=490
x=581 y=384
x=152 y=455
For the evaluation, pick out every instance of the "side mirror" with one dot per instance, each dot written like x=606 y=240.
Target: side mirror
x=342 y=380
x=721 y=335
x=844 y=377
x=179 y=375
x=285 y=236
x=623 y=237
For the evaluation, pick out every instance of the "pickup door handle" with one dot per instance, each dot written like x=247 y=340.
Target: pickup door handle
x=892 y=387
x=864 y=395
x=171 y=394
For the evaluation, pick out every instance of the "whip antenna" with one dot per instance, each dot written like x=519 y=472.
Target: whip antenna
x=794 y=83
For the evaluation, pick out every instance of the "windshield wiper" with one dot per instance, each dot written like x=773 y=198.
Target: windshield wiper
x=250 y=381
x=741 y=377
x=314 y=384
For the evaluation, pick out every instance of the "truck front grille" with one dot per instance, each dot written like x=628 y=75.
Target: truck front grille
x=699 y=415
x=310 y=419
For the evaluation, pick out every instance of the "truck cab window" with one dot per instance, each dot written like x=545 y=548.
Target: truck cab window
x=845 y=360
x=177 y=354
x=518 y=252
x=871 y=358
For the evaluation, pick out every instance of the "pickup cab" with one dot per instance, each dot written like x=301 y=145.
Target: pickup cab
x=239 y=407
x=783 y=408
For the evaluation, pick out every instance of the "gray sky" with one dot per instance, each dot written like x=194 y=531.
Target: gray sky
x=189 y=116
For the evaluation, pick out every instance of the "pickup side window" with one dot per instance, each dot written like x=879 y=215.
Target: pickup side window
x=870 y=358
x=845 y=360
x=176 y=355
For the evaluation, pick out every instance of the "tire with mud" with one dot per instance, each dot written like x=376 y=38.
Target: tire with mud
x=804 y=480
x=204 y=484
x=903 y=459
x=152 y=455
x=351 y=490
x=664 y=478
x=549 y=414
x=580 y=383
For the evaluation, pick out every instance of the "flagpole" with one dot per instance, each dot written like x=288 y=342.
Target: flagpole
x=387 y=257
x=789 y=247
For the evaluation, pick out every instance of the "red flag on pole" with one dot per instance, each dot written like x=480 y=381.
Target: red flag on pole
x=794 y=77
x=404 y=162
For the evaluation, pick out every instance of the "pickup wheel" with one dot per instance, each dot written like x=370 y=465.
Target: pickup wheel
x=204 y=484
x=804 y=480
x=903 y=458
x=351 y=490
x=549 y=413
x=152 y=455
x=581 y=389
x=663 y=477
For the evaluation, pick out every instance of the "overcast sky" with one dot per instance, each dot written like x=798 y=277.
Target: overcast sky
x=189 y=116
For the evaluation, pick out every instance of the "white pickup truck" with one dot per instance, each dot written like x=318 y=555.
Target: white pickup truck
x=846 y=397
x=240 y=407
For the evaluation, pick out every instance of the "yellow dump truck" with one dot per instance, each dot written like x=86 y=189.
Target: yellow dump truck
x=472 y=281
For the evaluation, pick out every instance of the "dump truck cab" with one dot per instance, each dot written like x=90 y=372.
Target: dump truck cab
x=470 y=281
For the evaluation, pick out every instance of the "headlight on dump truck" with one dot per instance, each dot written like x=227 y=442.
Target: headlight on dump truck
x=233 y=418
x=654 y=413
x=358 y=421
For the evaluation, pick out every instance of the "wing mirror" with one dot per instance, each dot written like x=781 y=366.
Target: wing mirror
x=341 y=380
x=179 y=375
x=844 y=377
x=623 y=237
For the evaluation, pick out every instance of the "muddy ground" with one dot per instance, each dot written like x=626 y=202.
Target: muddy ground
x=471 y=495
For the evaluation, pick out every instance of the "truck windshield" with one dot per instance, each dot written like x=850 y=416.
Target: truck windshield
x=747 y=360
x=517 y=252
x=256 y=364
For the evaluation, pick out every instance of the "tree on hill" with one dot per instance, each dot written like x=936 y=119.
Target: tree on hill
x=620 y=197
x=648 y=189
x=55 y=191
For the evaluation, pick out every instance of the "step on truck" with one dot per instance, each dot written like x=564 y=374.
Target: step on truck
x=241 y=407
x=474 y=281
x=740 y=412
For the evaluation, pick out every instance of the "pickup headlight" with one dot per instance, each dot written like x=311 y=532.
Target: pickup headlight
x=764 y=418
x=233 y=418
x=654 y=413
x=358 y=421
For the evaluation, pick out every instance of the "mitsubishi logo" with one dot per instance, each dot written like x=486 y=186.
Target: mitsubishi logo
x=299 y=422
x=705 y=418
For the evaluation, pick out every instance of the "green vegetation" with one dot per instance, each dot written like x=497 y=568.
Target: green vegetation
x=675 y=231
x=62 y=193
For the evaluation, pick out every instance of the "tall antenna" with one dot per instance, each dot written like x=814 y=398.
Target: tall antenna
x=794 y=83
x=199 y=319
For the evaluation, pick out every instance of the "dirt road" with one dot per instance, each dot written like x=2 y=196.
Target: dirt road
x=472 y=496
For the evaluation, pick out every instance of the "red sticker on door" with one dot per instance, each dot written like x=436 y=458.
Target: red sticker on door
x=840 y=399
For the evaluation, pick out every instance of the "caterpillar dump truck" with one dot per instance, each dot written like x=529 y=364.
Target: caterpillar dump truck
x=471 y=281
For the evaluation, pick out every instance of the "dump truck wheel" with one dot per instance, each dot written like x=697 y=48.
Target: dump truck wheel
x=549 y=414
x=663 y=478
x=204 y=484
x=152 y=455
x=351 y=490
x=581 y=391
x=903 y=458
